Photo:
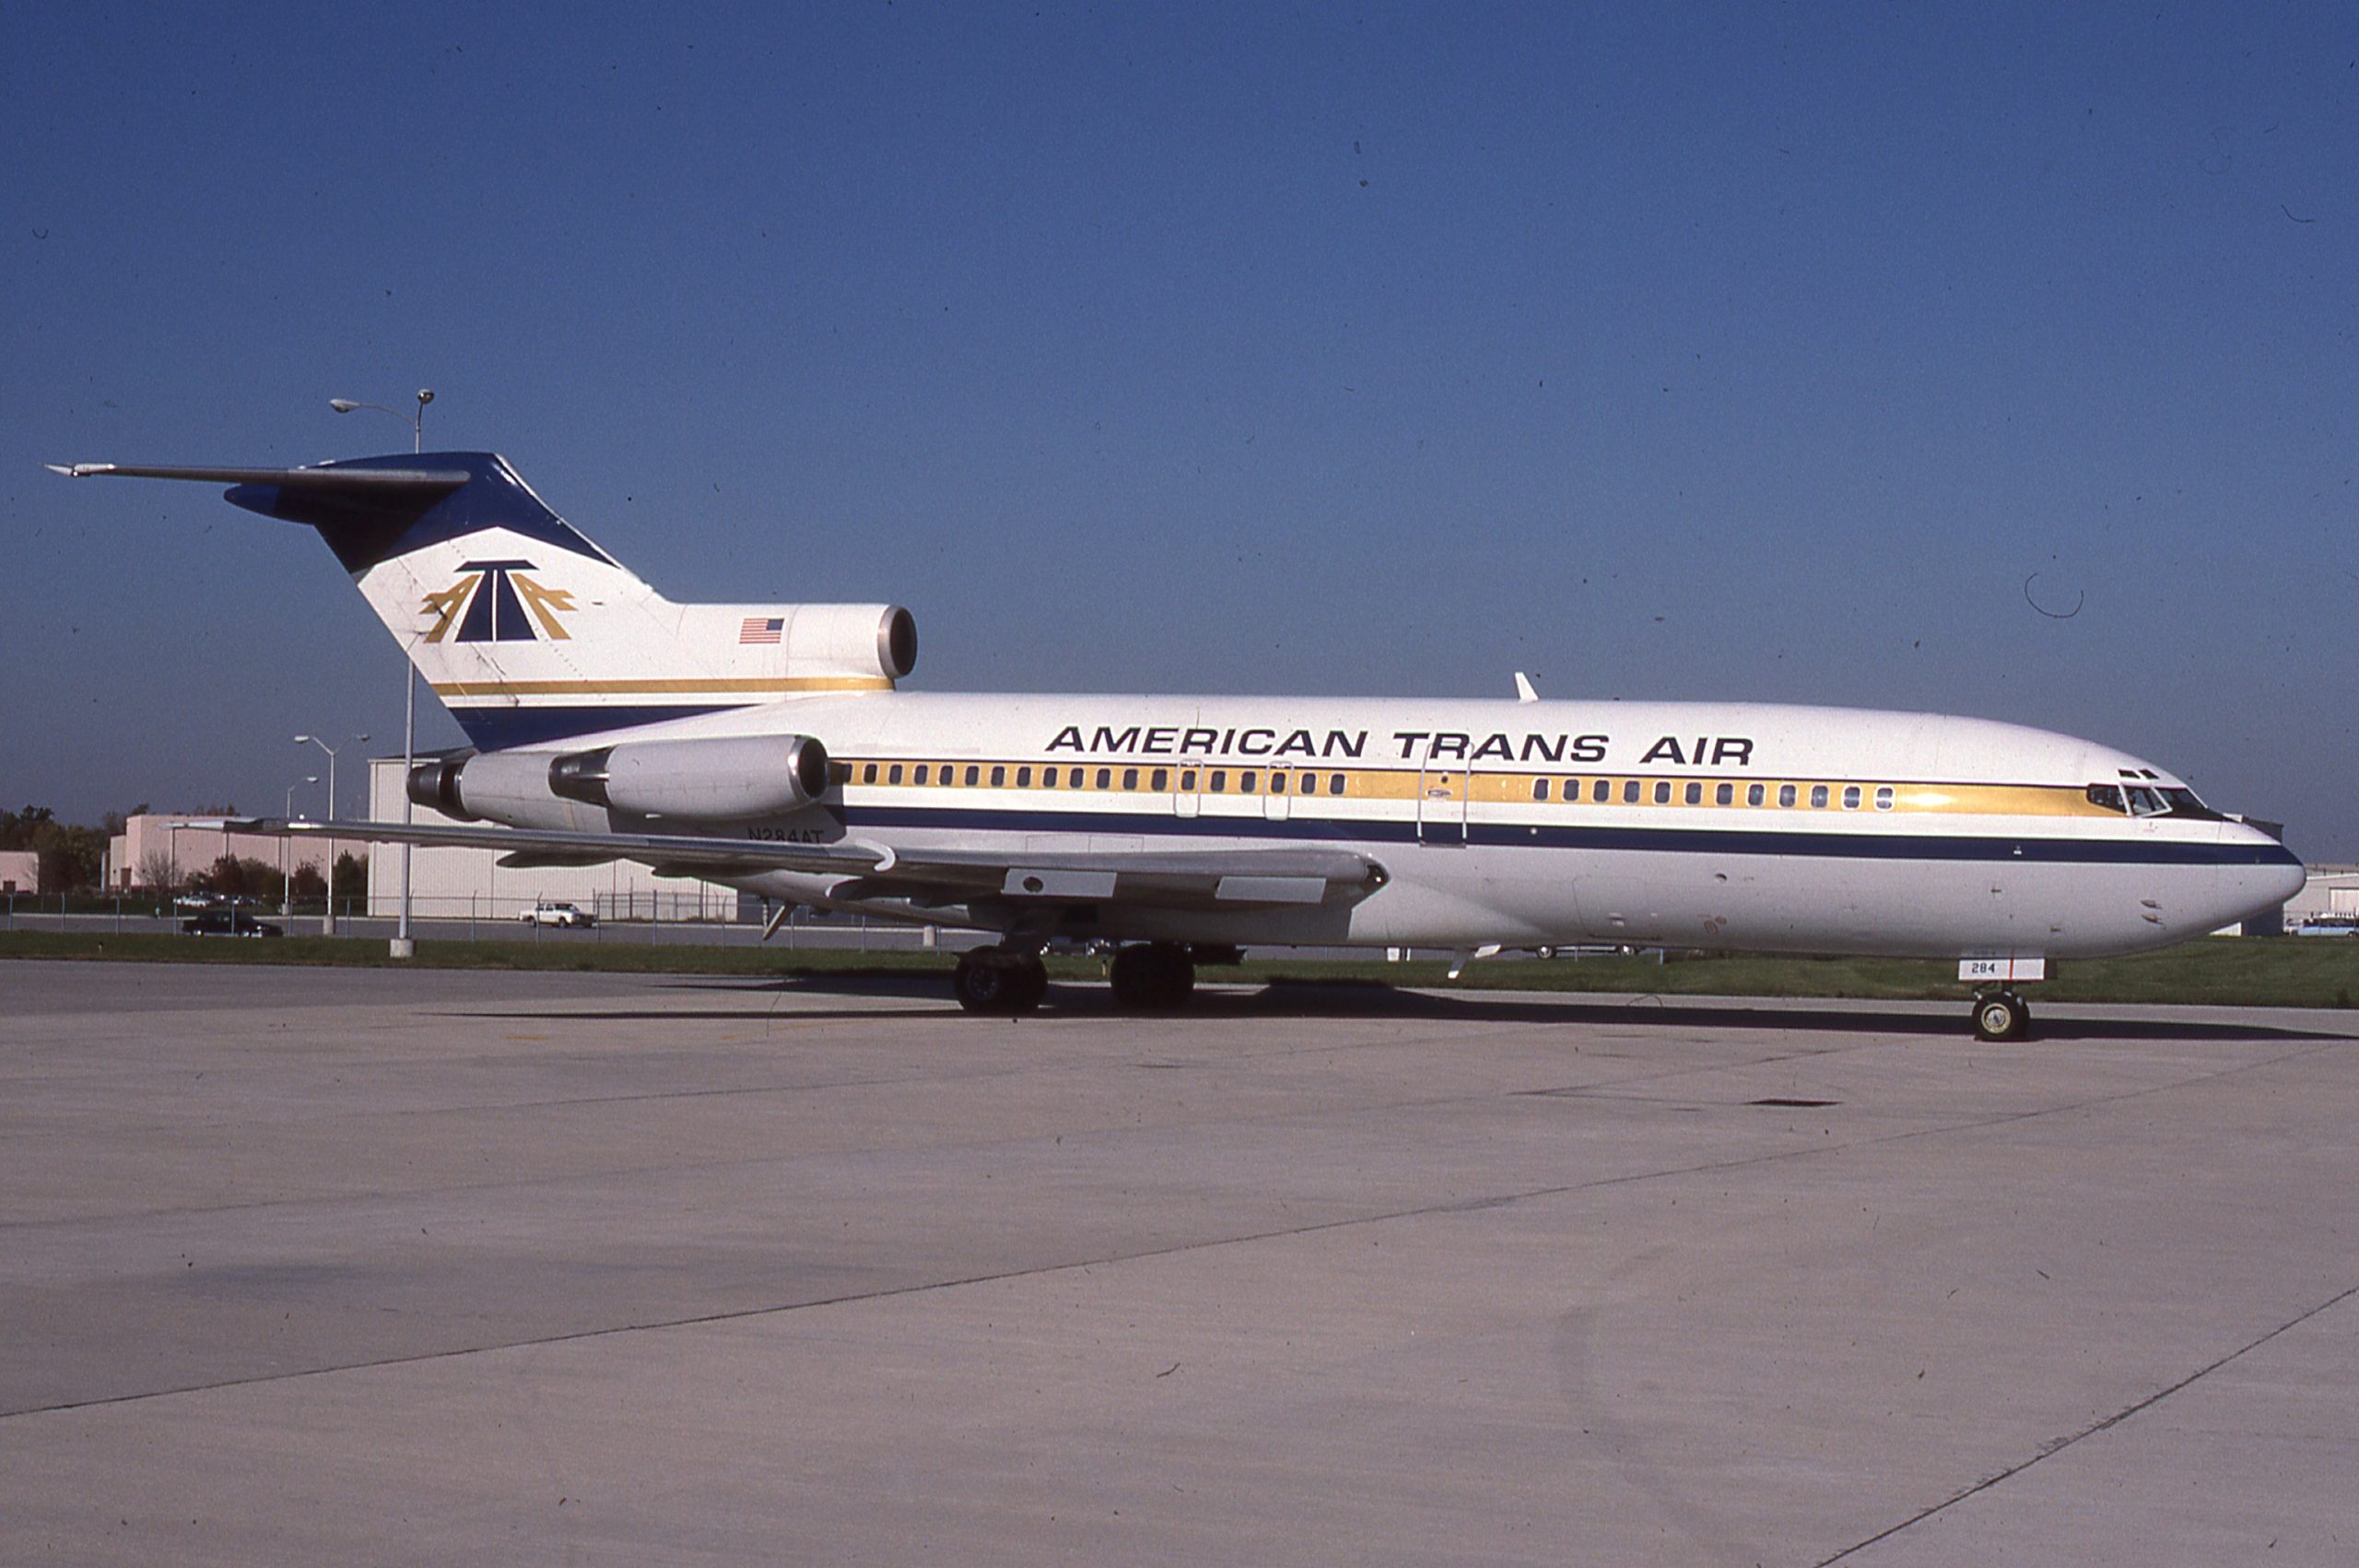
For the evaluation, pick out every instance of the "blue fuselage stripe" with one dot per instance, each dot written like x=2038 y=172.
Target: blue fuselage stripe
x=1657 y=840
x=497 y=729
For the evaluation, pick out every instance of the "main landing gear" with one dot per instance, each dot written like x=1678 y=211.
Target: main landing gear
x=1155 y=976
x=2001 y=1015
x=999 y=980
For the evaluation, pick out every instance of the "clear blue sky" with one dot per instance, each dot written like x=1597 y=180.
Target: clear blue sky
x=1756 y=352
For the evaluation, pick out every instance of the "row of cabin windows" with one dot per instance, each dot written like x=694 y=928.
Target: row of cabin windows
x=1216 y=780
x=1633 y=791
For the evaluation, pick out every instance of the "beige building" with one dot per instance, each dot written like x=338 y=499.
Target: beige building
x=20 y=871
x=157 y=848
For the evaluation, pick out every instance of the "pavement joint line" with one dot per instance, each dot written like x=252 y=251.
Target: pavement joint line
x=2057 y=1446
x=1448 y=1207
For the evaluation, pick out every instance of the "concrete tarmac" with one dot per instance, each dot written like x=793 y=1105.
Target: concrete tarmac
x=302 y=1266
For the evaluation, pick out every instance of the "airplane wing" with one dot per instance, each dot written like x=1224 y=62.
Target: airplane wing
x=1195 y=879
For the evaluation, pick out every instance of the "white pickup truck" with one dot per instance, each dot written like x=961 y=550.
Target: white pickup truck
x=548 y=912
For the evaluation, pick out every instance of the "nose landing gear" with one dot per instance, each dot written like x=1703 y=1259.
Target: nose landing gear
x=2001 y=1015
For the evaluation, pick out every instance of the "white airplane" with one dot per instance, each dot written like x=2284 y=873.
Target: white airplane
x=765 y=747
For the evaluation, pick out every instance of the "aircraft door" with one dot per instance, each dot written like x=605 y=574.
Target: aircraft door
x=1277 y=797
x=1188 y=798
x=1443 y=790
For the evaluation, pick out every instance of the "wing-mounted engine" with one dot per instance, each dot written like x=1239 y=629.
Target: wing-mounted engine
x=728 y=778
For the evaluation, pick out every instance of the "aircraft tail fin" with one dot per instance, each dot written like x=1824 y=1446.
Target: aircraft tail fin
x=528 y=631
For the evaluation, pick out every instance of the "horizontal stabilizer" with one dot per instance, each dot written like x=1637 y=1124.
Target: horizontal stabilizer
x=356 y=482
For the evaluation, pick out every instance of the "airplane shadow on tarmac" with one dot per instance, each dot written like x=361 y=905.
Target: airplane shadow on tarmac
x=1376 y=999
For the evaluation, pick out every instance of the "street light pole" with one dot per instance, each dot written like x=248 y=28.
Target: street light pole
x=286 y=878
x=416 y=422
x=402 y=945
x=327 y=925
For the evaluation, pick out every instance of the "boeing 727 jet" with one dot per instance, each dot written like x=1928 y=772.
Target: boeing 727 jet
x=768 y=747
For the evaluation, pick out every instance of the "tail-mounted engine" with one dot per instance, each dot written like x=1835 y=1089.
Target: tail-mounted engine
x=729 y=778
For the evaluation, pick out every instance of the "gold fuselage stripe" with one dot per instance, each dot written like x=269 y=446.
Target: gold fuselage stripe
x=1453 y=788
x=755 y=685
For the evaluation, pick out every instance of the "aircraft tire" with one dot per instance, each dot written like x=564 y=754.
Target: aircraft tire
x=1155 y=976
x=1032 y=982
x=2001 y=1015
x=997 y=983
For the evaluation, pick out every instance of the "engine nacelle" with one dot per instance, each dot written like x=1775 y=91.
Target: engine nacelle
x=726 y=779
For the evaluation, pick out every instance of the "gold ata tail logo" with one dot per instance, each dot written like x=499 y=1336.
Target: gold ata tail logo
x=494 y=602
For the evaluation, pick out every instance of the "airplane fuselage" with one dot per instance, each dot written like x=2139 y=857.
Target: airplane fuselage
x=1738 y=827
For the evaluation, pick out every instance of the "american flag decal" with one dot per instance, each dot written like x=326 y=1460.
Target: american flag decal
x=761 y=628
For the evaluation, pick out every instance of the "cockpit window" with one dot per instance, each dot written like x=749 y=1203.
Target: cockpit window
x=2184 y=803
x=2152 y=800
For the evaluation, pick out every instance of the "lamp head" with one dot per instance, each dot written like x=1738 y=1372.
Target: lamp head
x=342 y=404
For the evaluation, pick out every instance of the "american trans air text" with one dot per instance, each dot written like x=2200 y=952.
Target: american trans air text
x=1413 y=746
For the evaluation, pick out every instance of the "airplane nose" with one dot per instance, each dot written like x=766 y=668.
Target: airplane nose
x=2276 y=875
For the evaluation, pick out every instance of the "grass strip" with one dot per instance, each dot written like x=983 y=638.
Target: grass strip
x=2238 y=972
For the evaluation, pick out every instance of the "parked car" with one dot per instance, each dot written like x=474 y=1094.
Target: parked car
x=228 y=923
x=549 y=912
x=2329 y=925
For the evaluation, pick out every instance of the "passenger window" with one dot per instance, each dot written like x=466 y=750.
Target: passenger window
x=974 y=777
x=1630 y=793
x=999 y=777
x=1695 y=794
x=1024 y=778
x=922 y=772
x=893 y=774
x=1725 y=795
x=1278 y=783
x=1818 y=795
x=868 y=773
x=1663 y=792
x=1047 y=778
x=1572 y=792
x=1130 y=779
x=1220 y=781
x=1335 y=785
x=1850 y=797
x=1187 y=778
x=1160 y=779
x=1539 y=789
x=1884 y=797
x=1245 y=782
x=1755 y=794
x=1601 y=791
x=1785 y=794
x=1104 y=778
